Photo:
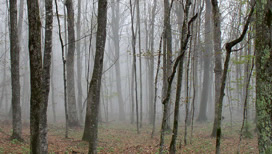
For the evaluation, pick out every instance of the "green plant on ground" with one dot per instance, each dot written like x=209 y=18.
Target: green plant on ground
x=246 y=132
x=111 y=149
x=1 y=150
x=14 y=141
x=25 y=149
x=99 y=149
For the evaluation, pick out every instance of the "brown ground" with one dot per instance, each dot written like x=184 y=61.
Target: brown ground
x=122 y=138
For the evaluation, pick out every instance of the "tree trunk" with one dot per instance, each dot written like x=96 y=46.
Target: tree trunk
x=155 y=90
x=134 y=65
x=170 y=79
x=176 y=111
x=140 y=60
x=53 y=90
x=3 y=90
x=116 y=39
x=202 y=117
x=72 y=110
x=46 y=75
x=63 y=72
x=20 y=19
x=15 y=73
x=184 y=32
x=218 y=59
x=263 y=75
x=152 y=106
x=167 y=56
x=132 y=117
x=79 y=64
x=229 y=47
x=35 y=55
x=187 y=98
x=94 y=89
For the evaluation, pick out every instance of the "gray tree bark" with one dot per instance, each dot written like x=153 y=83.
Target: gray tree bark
x=183 y=42
x=20 y=19
x=140 y=60
x=170 y=79
x=218 y=59
x=64 y=70
x=134 y=65
x=72 y=109
x=3 y=92
x=53 y=89
x=46 y=75
x=95 y=85
x=15 y=73
x=202 y=117
x=229 y=47
x=116 y=39
x=79 y=64
x=156 y=89
x=167 y=56
x=35 y=55
x=151 y=67
x=132 y=115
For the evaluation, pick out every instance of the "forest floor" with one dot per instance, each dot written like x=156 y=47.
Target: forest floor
x=119 y=138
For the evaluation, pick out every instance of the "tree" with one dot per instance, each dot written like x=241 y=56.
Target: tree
x=115 y=25
x=72 y=110
x=156 y=90
x=79 y=64
x=183 y=46
x=46 y=75
x=35 y=55
x=93 y=101
x=138 y=27
x=229 y=47
x=207 y=64
x=15 y=73
x=63 y=72
x=167 y=56
x=218 y=58
x=263 y=75
x=183 y=43
x=53 y=89
x=152 y=103
x=133 y=40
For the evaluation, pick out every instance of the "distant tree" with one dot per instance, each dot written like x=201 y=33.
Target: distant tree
x=207 y=65
x=79 y=63
x=151 y=104
x=115 y=26
x=64 y=71
x=132 y=90
x=53 y=89
x=15 y=73
x=20 y=18
x=138 y=27
x=134 y=63
x=153 y=82
x=35 y=55
x=72 y=110
x=3 y=90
